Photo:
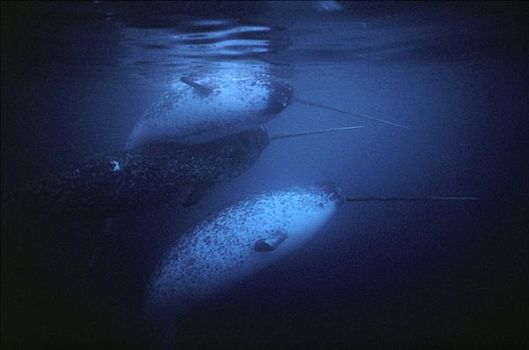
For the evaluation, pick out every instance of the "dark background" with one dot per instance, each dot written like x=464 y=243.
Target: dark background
x=404 y=275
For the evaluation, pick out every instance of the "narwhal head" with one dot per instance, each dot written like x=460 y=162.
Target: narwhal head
x=333 y=191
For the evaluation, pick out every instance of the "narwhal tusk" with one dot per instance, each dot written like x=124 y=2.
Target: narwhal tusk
x=409 y=199
x=363 y=116
x=313 y=132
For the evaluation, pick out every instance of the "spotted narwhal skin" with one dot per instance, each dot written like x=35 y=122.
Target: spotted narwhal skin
x=205 y=108
x=114 y=183
x=224 y=248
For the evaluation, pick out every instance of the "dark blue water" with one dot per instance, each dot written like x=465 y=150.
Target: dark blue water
x=77 y=76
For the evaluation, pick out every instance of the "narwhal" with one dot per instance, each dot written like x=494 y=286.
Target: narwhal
x=114 y=183
x=241 y=240
x=200 y=109
x=110 y=184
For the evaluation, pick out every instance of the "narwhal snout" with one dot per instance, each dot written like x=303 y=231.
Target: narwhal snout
x=333 y=191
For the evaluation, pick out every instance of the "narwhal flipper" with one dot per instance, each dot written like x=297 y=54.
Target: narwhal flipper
x=333 y=109
x=201 y=90
x=271 y=242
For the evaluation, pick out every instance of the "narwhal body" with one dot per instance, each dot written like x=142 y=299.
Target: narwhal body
x=203 y=109
x=241 y=240
x=234 y=243
x=200 y=109
x=113 y=183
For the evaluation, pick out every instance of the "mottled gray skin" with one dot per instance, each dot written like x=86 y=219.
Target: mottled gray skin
x=111 y=184
x=185 y=115
x=220 y=250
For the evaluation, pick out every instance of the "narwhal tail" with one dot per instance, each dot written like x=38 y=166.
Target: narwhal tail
x=313 y=132
x=363 y=116
x=408 y=199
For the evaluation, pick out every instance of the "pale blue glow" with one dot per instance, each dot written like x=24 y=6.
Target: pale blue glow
x=240 y=92
x=220 y=250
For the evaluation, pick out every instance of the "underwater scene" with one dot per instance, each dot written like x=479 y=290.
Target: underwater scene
x=264 y=175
